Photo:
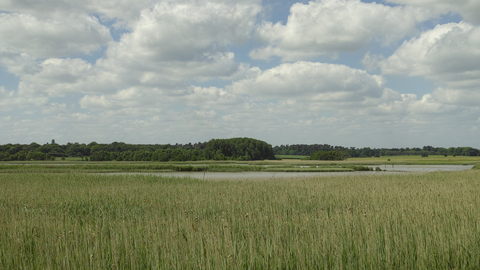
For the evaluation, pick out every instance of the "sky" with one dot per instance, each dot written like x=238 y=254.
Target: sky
x=391 y=73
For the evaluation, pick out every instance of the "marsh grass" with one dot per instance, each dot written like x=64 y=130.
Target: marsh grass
x=165 y=167
x=85 y=221
x=96 y=168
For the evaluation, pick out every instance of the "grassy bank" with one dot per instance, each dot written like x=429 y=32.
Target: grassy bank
x=122 y=166
x=80 y=221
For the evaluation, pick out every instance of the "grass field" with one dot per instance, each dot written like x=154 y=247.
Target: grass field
x=90 y=221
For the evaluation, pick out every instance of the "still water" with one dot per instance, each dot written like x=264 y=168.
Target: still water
x=388 y=169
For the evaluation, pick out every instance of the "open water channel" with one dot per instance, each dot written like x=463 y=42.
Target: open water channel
x=387 y=169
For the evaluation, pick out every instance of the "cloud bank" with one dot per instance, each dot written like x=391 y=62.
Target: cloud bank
x=186 y=71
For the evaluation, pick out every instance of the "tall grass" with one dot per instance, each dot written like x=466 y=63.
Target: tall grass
x=165 y=167
x=97 y=167
x=79 y=221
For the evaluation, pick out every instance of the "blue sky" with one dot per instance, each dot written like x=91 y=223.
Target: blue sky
x=393 y=73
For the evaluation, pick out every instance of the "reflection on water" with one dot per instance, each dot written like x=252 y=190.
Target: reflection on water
x=389 y=169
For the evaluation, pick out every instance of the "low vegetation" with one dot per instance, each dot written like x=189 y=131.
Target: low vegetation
x=100 y=167
x=92 y=221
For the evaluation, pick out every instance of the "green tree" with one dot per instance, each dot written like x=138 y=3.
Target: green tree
x=219 y=155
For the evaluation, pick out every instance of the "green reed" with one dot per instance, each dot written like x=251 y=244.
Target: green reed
x=89 y=221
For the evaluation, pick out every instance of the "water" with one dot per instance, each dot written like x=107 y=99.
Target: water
x=216 y=176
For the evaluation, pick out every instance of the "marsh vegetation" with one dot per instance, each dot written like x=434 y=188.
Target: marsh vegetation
x=73 y=220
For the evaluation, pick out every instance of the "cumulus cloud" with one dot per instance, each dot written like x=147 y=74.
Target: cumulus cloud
x=125 y=12
x=55 y=77
x=46 y=38
x=448 y=54
x=446 y=49
x=200 y=98
x=94 y=102
x=185 y=32
x=174 y=43
x=332 y=26
x=468 y=9
x=467 y=97
x=185 y=38
x=164 y=78
x=169 y=45
x=11 y=100
x=133 y=97
x=317 y=82
x=55 y=70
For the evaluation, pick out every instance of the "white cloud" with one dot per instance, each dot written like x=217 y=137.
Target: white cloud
x=177 y=41
x=134 y=98
x=55 y=108
x=468 y=9
x=449 y=55
x=212 y=97
x=200 y=98
x=18 y=63
x=186 y=32
x=445 y=49
x=11 y=100
x=56 y=77
x=466 y=97
x=315 y=82
x=125 y=12
x=94 y=102
x=169 y=45
x=44 y=38
x=55 y=70
x=332 y=26
x=163 y=80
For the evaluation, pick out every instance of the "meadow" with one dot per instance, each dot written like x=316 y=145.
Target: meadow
x=74 y=220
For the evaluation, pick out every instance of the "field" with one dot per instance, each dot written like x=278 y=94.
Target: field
x=67 y=219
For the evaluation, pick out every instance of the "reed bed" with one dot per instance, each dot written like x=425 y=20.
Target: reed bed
x=166 y=167
x=88 y=221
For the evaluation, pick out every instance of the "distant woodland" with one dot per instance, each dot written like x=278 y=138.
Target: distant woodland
x=309 y=149
x=215 y=149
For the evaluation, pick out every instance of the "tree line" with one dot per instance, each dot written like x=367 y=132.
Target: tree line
x=328 y=155
x=309 y=149
x=217 y=149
